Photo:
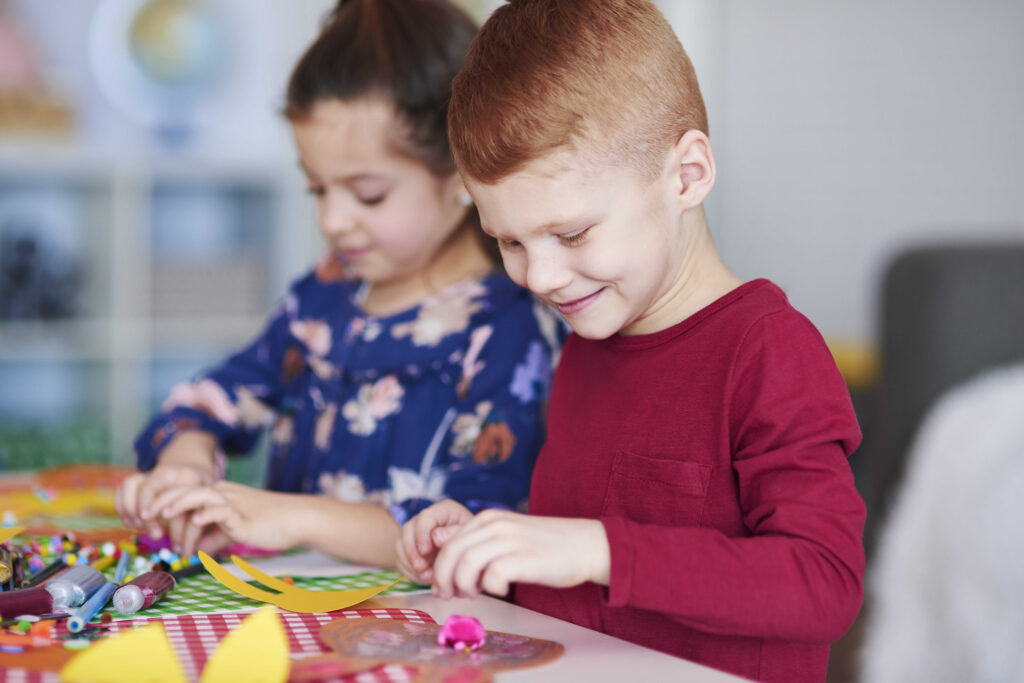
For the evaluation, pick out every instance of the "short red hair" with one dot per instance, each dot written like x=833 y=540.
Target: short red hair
x=586 y=76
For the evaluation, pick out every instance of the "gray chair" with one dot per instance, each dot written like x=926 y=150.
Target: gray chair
x=948 y=313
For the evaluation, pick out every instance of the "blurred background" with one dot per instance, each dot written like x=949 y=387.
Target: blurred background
x=151 y=208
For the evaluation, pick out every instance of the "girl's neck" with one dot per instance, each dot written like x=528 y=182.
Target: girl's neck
x=460 y=258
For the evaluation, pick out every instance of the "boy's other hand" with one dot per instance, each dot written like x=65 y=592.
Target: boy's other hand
x=497 y=548
x=265 y=519
x=423 y=535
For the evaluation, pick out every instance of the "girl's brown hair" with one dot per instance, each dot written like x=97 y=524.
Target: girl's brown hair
x=404 y=51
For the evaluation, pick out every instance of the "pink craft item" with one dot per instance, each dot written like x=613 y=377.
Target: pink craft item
x=462 y=633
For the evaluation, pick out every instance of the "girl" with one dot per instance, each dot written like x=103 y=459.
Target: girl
x=404 y=369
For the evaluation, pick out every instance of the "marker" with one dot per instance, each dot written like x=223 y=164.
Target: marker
x=34 y=600
x=189 y=570
x=45 y=573
x=143 y=591
x=75 y=586
x=122 y=567
x=93 y=605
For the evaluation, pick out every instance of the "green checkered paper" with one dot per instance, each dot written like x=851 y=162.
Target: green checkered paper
x=203 y=594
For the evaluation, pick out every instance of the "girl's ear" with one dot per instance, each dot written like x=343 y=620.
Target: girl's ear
x=457 y=189
x=693 y=169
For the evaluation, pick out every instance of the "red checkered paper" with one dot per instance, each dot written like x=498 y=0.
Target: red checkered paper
x=195 y=637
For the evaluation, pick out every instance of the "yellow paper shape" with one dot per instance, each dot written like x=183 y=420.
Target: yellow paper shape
x=255 y=651
x=291 y=598
x=141 y=655
x=7 y=533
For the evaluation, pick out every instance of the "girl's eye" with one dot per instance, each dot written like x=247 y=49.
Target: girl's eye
x=372 y=201
x=575 y=237
x=316 y=190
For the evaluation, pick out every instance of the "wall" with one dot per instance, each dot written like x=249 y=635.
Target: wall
x=846 y=131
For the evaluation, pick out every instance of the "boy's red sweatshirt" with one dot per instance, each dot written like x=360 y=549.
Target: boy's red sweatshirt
x=714 y=453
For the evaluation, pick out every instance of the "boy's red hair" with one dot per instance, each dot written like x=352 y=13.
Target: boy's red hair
x=588 y=76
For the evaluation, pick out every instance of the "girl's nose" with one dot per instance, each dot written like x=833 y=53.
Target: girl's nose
x=336 y=217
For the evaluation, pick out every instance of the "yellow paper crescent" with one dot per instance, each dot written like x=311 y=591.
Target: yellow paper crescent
x=139 y=654
x=7 y=533
x=255 y=651
x=291 y=598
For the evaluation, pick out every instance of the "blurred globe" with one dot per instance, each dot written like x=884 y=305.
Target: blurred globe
x=176 y=42
x=160 y=62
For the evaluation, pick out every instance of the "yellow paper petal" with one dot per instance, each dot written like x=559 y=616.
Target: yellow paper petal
x=7 y=533
x=140 y=655
x=294 y=599
x=255 y=651
x=267 y=580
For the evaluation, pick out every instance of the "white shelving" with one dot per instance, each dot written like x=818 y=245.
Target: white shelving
x=180 y=260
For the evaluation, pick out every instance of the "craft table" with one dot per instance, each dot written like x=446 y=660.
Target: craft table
x=588 y=656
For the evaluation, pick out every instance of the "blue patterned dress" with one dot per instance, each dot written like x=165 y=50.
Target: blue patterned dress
x=444 y=400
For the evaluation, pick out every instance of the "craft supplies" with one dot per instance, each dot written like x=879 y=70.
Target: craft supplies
x=45 y=573
x=462 y=633
x=122 y=567
x=75 y=586
x=143 y=591
x=93 y=605
x=26 y=601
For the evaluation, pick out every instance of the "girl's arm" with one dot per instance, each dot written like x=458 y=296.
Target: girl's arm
x=359 y=532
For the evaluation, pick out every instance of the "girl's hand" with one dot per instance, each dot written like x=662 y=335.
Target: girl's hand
x=188 y=461
x=265 y=519
x=423 y=535
x=497 y=548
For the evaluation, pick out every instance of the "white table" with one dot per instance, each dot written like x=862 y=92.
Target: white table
x=589 y=656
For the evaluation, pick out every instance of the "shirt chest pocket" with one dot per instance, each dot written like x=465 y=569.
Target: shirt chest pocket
x=657 y=490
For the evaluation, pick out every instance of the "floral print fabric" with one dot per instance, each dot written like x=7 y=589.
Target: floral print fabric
x=444 y=400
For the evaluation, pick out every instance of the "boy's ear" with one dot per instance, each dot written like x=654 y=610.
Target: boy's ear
x=693 y=169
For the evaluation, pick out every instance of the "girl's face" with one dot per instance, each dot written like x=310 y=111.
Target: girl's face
x=385 y=214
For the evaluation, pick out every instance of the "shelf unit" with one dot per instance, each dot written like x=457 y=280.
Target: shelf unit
x=180 y=259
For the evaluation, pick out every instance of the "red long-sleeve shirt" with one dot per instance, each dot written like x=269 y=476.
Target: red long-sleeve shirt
x=714 y=453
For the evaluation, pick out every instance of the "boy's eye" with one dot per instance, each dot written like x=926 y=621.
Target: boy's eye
x=372 y=200
x=575 y=237
x=507 y=245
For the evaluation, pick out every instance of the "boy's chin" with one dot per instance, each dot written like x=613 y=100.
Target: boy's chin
x=594 y=330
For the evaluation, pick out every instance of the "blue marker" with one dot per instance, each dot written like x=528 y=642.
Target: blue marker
x=93 y=605
x=122 y=567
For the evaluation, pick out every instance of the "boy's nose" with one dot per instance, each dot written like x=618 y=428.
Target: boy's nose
x=546 y=274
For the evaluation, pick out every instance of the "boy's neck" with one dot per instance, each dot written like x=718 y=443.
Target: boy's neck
x=701 y=279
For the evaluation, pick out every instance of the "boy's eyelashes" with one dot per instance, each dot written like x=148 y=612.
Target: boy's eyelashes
x=575 y=237
x=570 y=239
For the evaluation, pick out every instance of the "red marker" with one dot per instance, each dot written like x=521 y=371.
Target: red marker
x=143 y=591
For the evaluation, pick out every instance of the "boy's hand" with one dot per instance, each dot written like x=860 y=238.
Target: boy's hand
x=265 y=519
x=423 y=535
x=497 y=548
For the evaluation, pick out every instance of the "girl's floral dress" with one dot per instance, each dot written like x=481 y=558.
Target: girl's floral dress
x=445 y=400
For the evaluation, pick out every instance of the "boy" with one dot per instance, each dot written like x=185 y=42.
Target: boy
x=693 y=495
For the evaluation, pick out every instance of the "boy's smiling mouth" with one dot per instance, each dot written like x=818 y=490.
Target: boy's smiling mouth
x=577 y=305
